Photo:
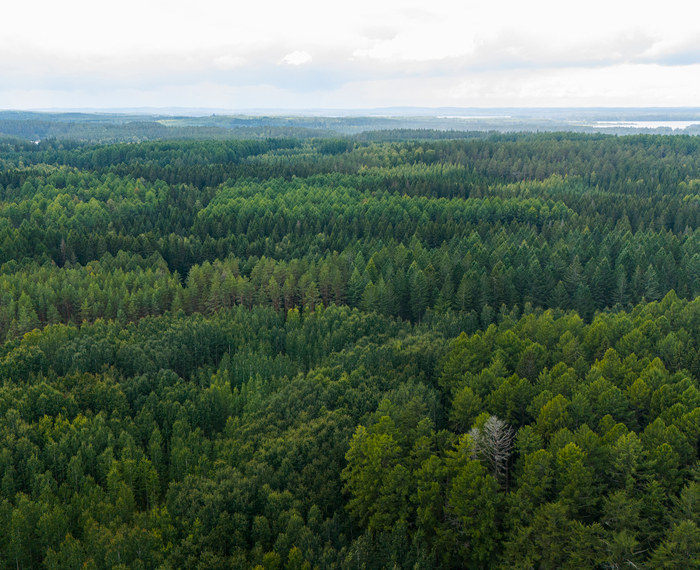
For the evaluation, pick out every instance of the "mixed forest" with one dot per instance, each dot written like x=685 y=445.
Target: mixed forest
x=392 y=351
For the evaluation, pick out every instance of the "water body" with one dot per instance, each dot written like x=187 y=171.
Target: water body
x=475 y=117
x=648 y=124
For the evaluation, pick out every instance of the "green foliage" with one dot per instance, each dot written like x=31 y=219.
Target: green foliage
x=337 y=353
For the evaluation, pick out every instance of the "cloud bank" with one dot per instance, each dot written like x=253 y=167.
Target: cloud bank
x=364 y=54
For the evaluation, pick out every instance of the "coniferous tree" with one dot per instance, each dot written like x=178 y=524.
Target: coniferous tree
x=651 y=284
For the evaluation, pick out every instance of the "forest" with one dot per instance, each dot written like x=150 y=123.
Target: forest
x=406 y=349
x=390 y=124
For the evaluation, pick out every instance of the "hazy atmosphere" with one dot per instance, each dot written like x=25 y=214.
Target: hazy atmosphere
x=312 y=54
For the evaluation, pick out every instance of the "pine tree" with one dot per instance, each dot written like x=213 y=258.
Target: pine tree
x=464 y=298
x=651 y=285
x=487 y=316
x=574 y=276
x=583 y=302
x=356 y=287
x=53 y=317
x=419 y=295
x=559 y=298
x=27 y=319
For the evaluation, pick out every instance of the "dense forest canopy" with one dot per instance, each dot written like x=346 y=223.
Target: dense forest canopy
x=400 y=350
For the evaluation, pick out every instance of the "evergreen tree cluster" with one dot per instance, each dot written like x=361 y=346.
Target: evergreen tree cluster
x=279 y=353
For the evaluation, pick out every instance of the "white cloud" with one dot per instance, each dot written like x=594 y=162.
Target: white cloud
x=616 y=85
x=226 y=62
x=438 y=52
x=407 y=47
x=296 y=58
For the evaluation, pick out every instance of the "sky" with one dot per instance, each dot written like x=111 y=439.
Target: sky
x=359 y=54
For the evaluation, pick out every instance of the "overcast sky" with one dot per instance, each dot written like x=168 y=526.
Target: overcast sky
x=358 y=54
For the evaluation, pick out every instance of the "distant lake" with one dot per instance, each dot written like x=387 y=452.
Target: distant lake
x=479 y=117
x=648 y=124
